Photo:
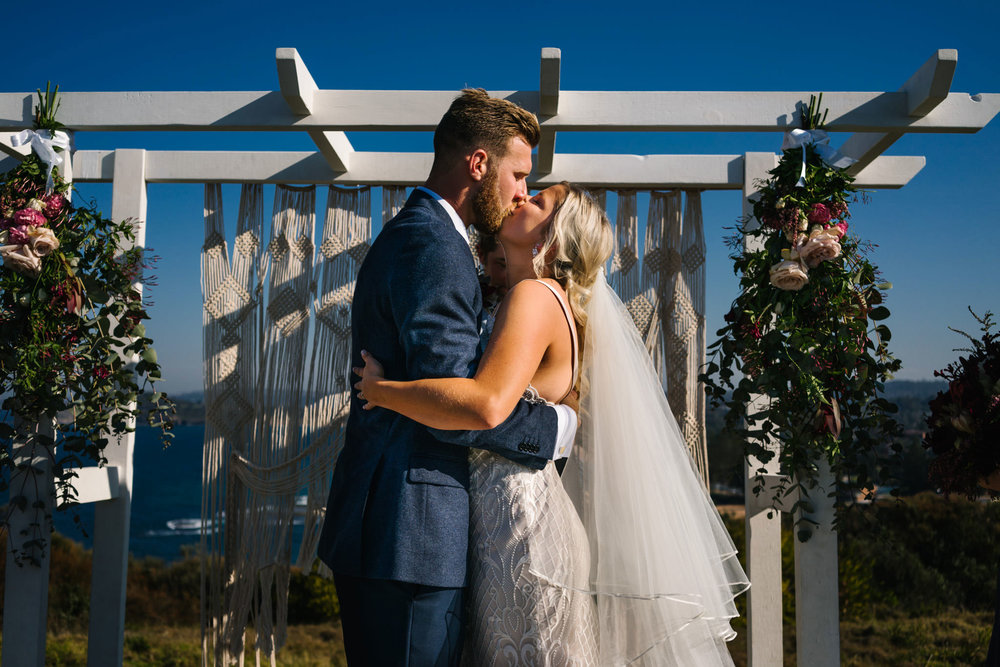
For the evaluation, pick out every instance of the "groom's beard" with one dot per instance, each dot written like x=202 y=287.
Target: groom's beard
x=488 y=209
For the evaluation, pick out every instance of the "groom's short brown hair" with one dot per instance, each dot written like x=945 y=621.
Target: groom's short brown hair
x=476 y=120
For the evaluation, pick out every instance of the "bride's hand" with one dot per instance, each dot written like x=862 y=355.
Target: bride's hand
x=370 y=375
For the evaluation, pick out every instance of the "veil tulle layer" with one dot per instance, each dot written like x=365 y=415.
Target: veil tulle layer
x=663 y=567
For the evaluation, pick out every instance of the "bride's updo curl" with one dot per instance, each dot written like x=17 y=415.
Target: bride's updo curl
x=577 y=246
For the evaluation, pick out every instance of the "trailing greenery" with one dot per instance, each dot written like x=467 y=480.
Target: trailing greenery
x=73 y=346
x=807 y=332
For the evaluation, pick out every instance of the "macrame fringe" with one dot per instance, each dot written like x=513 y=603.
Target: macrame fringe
x=277 y=337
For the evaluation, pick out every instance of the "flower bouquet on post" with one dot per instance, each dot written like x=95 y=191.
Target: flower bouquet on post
x=803 y=356
x=73 y=348
x=963 y=429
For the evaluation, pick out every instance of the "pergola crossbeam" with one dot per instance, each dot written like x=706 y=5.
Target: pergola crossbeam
x=579 y=111
x=299 y=90
x=704 y=172
x=548 y=107
x=16 y=152
x=925 y=90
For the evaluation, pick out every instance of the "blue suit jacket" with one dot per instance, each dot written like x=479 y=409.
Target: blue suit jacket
x=399 y=503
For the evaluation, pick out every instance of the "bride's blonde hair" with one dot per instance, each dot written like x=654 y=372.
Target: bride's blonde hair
x=577 y=245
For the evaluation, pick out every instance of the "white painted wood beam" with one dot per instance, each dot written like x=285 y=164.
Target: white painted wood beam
x=925 y=90
x=548 y=107
x=817 y=602
x=931 y=84
x=548 y=94
x=299 y=89
x=16 y=152
x=26 y=592
x=354 y=110
x=707 y=172
x=95 y=484
x=106 y=635
x=763 y=526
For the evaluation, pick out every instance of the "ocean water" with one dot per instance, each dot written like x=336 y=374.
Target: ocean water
x=166 y=497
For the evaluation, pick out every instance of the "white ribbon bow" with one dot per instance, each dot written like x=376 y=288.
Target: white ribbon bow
x=44 y=144
x=820 y=141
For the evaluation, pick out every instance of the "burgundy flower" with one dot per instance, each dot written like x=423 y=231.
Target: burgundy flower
x=18 y=236
x=838 y=209
x=819 y=214
x=101 y=372
x=54 y=205
x=29 y=216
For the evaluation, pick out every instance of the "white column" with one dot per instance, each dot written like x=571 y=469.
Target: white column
x=112 y=517
x=26 y=596
x=817 y=603
x=763 y=525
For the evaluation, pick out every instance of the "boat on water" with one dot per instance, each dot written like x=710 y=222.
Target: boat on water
x=196 y=524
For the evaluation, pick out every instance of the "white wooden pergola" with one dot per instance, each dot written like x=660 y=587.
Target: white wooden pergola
x=871 y=121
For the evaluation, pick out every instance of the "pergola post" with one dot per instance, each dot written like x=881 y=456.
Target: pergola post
x=817 y=601
x=112 y=517
x=763 y=523
x=26 y=592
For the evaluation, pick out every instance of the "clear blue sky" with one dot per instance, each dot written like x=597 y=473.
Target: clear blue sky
x=938 y=238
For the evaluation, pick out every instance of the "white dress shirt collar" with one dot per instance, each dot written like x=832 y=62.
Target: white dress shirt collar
x=450 y=210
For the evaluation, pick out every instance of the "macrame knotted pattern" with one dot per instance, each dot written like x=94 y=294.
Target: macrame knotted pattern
x=277 y=343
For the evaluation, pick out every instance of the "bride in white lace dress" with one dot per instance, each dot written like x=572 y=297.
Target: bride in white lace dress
x=622 y=561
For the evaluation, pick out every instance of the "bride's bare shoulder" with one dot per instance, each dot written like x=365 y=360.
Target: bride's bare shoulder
x=532 y=297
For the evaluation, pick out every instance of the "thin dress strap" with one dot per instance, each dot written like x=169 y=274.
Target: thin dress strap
x=572 y=331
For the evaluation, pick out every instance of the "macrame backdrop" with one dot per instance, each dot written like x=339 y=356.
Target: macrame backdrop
x=277 y=336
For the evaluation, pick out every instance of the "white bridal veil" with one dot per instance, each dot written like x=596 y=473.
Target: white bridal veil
x=663 y=568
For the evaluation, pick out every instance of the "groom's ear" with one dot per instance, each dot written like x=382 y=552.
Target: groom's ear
x=478 y=164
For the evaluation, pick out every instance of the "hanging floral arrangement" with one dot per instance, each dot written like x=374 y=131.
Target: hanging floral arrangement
x=73 y=347
x=803 y=357
x=964 y=421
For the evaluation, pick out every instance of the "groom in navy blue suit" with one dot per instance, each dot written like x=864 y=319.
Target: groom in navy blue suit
x=397 y=519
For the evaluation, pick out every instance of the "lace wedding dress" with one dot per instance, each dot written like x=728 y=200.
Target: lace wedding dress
x=523 y=523
x=624 y=560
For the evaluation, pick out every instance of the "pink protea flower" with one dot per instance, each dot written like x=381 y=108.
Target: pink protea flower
x=54 y=205
x=819 y=214
x=839 y=229
x=29 y=216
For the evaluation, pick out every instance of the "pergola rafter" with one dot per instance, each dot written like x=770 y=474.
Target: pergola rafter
x=925 y=90
x=924 y=104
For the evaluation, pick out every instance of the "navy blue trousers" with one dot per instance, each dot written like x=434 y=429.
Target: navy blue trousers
x=394 y=623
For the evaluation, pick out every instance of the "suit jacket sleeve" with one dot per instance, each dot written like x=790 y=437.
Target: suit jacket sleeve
x=435 y=303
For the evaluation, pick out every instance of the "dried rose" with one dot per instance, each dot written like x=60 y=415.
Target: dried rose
x=789 y=275
x=22 y=259
x=819 y=214
x=43 y=241
x=29 y=216
x=820 y=247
